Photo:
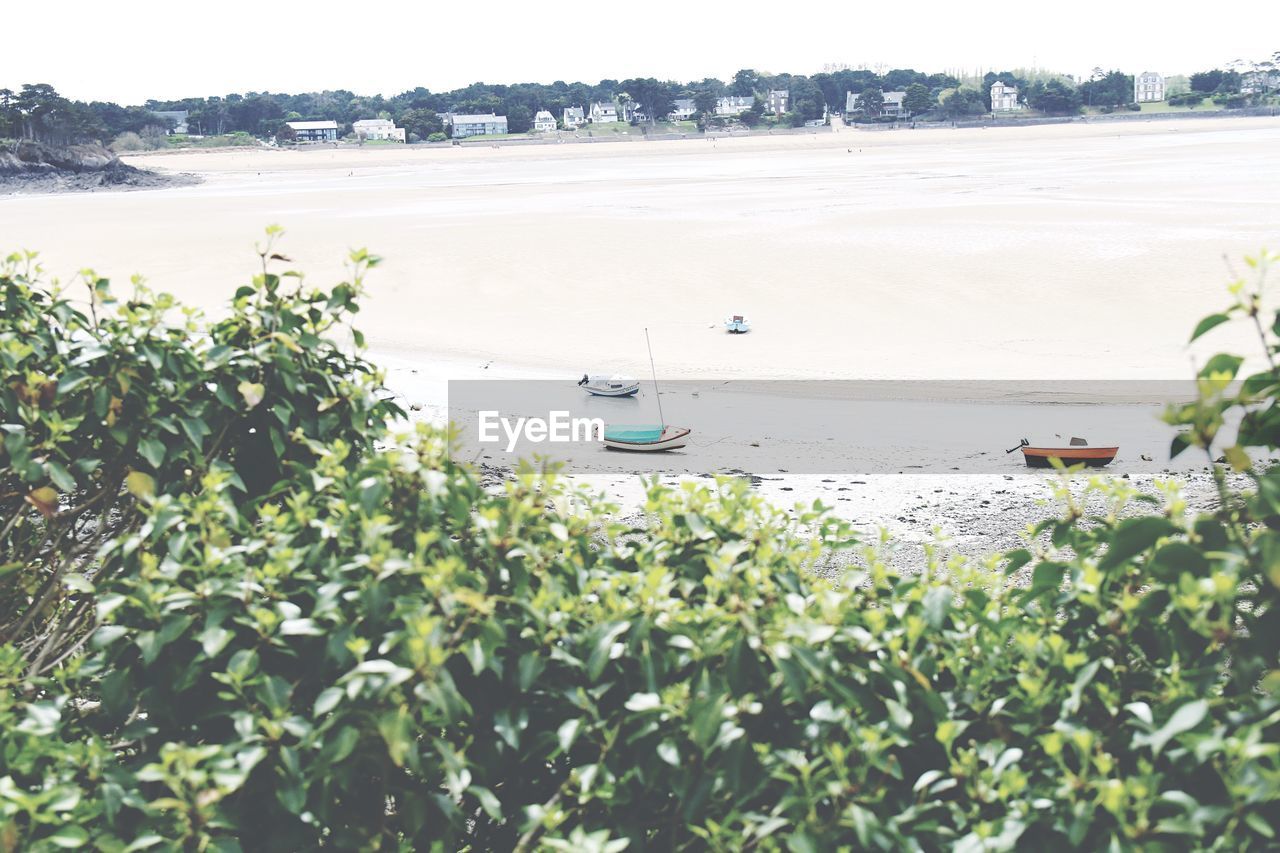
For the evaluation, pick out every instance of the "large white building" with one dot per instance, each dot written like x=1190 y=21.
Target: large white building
x=314 y=131
x=894 y=104
x=573 y=118
x=486 y=124
x=1004 y=98
x=544 y=122
x=604 y=112
x=734 y=105
x=1148 y=87
x=377 y=128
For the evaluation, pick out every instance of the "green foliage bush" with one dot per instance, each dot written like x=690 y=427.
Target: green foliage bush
x=377 y=652
x=119 y=400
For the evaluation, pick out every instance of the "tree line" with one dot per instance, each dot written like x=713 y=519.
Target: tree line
x=37 y=111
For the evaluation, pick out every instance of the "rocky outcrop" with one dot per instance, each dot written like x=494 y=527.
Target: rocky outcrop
x=34 y=167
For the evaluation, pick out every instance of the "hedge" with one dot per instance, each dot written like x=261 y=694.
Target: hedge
x=334 y=637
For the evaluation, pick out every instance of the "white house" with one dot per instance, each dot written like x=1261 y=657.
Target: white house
x=894 y=104
x=777 y=101
x=543 y=122
x=1004 y=98
x=682 y=109
x=178 y=117
x=486 y=124
x=604 y=113
x=377 y=128
x=314 y=131
x=734 y=105
x=573 y=118
x=1148 y=87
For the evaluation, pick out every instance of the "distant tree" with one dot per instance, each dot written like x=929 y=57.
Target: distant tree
x=1054 y=97
x=38 y=106
x=1109 y=89
x=519 y=119
x=961 y=103
x=807 y=100
x=1186 y=99
x=871 y=102
x=938 y=82
x=1207 y=81
x=153 y=137
x=919 y=99
x=653 y=97
x=704 y=101
x=900 y=78
x=745 y=82
x=422 y=122
x=10 y=117
x=284 y=133
x=751 y=117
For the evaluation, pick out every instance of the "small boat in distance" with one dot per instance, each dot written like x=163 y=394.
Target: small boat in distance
x=1076 y=452
x=609 y=386
x=737 y=324
x=645 y=438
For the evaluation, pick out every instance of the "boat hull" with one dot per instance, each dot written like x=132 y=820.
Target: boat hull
x=612 y=392
x=672 y=438
x=1094 y=457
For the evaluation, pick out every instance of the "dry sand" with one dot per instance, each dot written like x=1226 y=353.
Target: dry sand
x=1083 y=250
x=1064 y=251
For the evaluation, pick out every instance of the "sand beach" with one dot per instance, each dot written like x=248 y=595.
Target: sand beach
x=1080 y=251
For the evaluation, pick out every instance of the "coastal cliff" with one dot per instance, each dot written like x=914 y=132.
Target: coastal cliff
x=27 y=166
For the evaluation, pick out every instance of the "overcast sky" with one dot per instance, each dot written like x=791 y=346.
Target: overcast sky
x=151 y=49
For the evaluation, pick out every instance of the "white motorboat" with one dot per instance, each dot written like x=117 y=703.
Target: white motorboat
x=736 y=324
x=609 y=386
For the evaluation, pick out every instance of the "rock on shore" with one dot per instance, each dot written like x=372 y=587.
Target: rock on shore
x=33 y=167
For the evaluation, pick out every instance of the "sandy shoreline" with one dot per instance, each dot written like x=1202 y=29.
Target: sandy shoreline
x=940 y=254
x=1077 y=251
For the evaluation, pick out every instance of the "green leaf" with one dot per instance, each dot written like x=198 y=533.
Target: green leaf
x=568 y=733
x=327 y=700
x=1183 y=720
x=1210 y=322
x=603 y=647
x=142 y=486
x=1221 y=364
x=60 y=475
x=937 y=603
x=1133 y=536
x=69 y=836
x=153 y=451
x=252 y=392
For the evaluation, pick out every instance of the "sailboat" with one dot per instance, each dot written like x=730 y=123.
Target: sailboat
x=647 y=438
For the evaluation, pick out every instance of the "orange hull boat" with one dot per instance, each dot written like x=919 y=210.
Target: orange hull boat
x=1094 y=457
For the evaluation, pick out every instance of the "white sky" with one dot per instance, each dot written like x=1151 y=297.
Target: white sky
x=165 y=49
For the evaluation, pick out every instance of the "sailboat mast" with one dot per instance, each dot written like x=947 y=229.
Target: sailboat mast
x=654 y=372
